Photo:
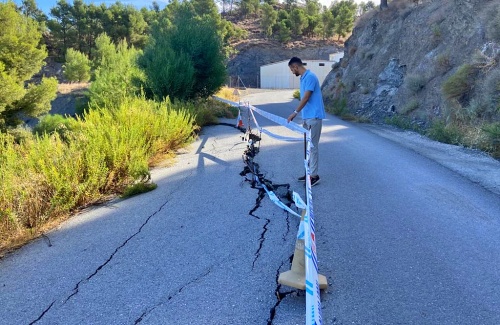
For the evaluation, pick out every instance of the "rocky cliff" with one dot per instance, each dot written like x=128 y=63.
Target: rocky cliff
x=425 y=61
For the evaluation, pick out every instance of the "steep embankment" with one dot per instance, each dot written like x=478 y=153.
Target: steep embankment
x=434 y=61
x=257 y=50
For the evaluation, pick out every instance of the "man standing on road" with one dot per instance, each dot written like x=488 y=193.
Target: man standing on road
x=313 y=111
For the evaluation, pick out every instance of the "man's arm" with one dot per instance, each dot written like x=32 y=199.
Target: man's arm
x=302 y=103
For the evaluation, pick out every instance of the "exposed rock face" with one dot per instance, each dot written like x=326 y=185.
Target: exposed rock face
x=256 y=53
x=397 y=59
x=389 y=81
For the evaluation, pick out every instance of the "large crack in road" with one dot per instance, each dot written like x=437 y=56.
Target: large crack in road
x=282 y=191
x=76 y=289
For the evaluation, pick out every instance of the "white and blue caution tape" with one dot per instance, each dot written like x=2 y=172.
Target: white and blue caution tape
x=306 y=228
x=313 y=302
x=279 y=120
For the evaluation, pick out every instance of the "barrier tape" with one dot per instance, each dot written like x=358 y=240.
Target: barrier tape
x=279 y=120
x=271 y=134
x=313 y=302
x=306 y=228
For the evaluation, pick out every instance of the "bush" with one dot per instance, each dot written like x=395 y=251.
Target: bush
x=415 y=83
x=207 y=111
x=43 y=177
x=56 y=123
x=443 y=63
x=184 y=61
x=441 y=132
x=402 y=123
x=77 y=67
x=410 y=106
x=138 y=188
x=296 y=94
x=338 y=107
x=491 y=91
x=493 y=134
x=117 y=76
x=460 y=83
x=228 y=93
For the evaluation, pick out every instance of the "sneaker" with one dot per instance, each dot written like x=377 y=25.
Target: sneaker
x=314 y=180
x=302 y=178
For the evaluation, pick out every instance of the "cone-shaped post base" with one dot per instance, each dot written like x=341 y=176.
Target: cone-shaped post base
x=295 y=280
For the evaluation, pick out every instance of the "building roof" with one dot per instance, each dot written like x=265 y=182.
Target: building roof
x=286 y=61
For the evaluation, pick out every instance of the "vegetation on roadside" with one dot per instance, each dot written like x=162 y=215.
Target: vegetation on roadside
x=20 y=58
x=75 y=163
x=129 y=120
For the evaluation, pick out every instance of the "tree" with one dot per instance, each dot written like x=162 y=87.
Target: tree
x=290 y=4
x=30 y=9
x=269 y=19
x=283 y=31
x=383 y=4
x=185 y=60
x=249 y=7
x=298 y=19
x=344 y=13
x=62 y=27
x=364 y=7
x=327 y=24
x=77 y=67
x=117 y=75
x=313 y=7
x=20 y=58
x=105 y=49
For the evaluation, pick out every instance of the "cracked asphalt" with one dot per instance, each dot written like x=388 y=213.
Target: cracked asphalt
x=402 y=237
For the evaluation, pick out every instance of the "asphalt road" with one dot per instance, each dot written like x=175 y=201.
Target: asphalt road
x=401 y=238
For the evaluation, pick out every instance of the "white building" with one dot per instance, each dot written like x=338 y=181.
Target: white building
x=278 y=75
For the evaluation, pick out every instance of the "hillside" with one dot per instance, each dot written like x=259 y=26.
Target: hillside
x=257 y=50
x=432 y=67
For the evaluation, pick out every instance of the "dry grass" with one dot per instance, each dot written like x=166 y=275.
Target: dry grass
x=67 y=88
x=230 y=93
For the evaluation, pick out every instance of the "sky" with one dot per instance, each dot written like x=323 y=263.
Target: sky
x=46 y=5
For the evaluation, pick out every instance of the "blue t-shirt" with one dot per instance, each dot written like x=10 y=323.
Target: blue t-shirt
x=314 y=107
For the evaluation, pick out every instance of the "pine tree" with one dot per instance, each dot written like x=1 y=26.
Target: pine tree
x=77 y=67
x=269 y=18
x=20 y=58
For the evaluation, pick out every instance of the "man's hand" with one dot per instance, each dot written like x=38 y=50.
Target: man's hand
x=291 y=117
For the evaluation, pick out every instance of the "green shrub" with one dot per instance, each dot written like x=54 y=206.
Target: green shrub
x=43 y=177
x=436 y=34
x=415 y=83
x=296 y=94
x=137 y=189
x=443 y=63
x=492 y=132
x=402 y=122
x=77 y=66
x=441 y=132
x=338 y=107
x=186 y=61
x=207 y=111
x=460 y=83
x=117 y=76
x=491 y=91
x=410 y=106
x=56 y=123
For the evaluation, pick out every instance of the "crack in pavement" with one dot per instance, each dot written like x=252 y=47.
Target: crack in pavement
x=279 y=295
x=76 y=289
x=178 y=291
x=283 y=192
x=43 y=313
